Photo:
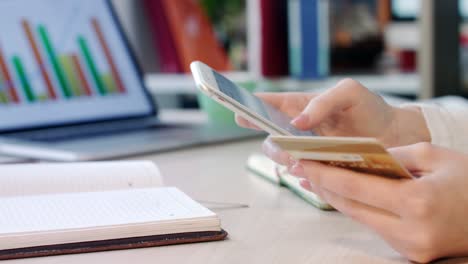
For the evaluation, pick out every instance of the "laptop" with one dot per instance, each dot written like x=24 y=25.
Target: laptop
x=71 y=90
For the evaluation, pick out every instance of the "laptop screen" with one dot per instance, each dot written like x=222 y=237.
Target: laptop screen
x=65 y=61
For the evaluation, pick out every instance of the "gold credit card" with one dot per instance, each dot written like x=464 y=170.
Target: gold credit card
x=366 y=155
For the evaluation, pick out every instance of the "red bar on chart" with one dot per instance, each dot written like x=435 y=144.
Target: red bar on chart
x=107 y=53
x=7 y=78
x=81 y=75
x=37 y=55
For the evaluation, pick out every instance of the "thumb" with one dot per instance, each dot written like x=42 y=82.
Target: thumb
x=343 y=96
x=416 y=158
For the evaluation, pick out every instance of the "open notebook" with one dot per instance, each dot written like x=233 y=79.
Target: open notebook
x=262 y=166
x=88 y=207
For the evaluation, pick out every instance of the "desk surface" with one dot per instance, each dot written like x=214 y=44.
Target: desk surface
x=278 y=227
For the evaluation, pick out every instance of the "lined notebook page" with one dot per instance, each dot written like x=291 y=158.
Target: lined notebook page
x=24 y=219
x=35 y=179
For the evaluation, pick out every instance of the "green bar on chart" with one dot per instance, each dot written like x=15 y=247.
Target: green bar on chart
x=3 y=97
x=19 y=67
x=72 y=76
x=109 y=82
x=54 y=61
x=92 y=65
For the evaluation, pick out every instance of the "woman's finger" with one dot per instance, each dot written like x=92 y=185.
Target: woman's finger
x=279 y=100
x=381 y=221
x=416 y=158
x=343 y=96
x=274 y=99
x=304 y=183
x=277 y=154
x=292 y=104
x=245 y=123
x=372 y=190
x=385 y=224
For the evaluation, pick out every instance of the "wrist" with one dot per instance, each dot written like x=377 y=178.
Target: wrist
x=410 y=126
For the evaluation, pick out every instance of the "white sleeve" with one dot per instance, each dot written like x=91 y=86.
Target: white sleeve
x=447 y=121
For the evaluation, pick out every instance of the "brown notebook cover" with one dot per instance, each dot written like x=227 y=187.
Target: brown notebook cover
x=115 y=244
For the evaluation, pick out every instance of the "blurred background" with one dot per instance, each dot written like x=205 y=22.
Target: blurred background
x=401 y=49
x=265 y=45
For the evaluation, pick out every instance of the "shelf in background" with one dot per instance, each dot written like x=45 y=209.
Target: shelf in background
x=407 y=84
x=184 y=83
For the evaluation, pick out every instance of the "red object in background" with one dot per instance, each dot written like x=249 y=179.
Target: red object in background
x=408 y=60
x=194 y=36
x=162 y=37
x=274 y=30
x=464 y=40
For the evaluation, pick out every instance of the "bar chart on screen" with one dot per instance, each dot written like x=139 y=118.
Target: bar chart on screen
x=63 y=62
x=70 y=75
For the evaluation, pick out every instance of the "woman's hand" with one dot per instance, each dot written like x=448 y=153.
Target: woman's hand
x=423 y=219
x=350 y=110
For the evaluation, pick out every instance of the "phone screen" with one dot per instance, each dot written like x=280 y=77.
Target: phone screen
x=258 y=106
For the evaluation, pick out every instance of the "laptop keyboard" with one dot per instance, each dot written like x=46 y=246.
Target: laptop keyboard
x=87 y=131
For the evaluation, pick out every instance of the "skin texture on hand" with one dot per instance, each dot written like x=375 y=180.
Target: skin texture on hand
x=350 y=110
x=423 y=219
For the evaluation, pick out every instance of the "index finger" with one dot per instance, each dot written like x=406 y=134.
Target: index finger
x=274 y=99
x=276 y=154
x=291 y=103
x=372 y=190
x=343 y=96
x=245 y=123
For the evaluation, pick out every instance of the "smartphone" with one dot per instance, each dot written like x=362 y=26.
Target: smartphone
x=366 y=155
x=243 y=103
x=359 y=154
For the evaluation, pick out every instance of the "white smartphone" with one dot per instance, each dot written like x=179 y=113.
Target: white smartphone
x=243 y=103
x=360 y=154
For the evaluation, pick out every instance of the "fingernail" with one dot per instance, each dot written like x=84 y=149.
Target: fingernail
x=302 y=118
x=306 y=184
x=297 y=170
x=291 y=162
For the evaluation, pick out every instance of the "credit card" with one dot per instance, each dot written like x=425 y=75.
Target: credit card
x=366 y=155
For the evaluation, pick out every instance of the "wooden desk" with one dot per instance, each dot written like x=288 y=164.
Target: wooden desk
x=278 y=227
